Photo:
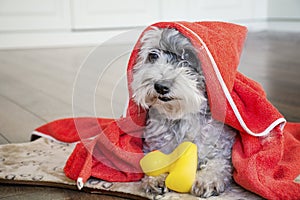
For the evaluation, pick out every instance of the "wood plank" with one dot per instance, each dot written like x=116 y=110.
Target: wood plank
x=12 y=192
x=3 y=140
x=50 y=107
x=44 y=106
x=44 y=73
x=46 y=68
x=17 y=123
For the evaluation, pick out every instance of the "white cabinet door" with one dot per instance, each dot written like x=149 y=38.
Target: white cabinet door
x=221 y=10
x=199 y=10
x=95 y=14
x=16 y=15
x=287 y=9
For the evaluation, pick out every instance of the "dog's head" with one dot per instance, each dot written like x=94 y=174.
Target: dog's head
x=167 y=74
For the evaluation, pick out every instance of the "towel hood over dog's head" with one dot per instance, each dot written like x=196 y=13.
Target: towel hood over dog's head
x=233 y=98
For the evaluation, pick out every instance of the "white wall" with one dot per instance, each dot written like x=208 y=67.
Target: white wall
x=284 y=9
x=283 y=15
x=36 y=23
x=34 y=15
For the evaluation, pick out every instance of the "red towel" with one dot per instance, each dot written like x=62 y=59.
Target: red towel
x=108 y=149
x=265 y=152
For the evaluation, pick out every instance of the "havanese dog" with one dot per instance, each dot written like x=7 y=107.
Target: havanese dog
x=169 y=82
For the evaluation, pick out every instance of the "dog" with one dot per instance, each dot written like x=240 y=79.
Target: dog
x=169 y=82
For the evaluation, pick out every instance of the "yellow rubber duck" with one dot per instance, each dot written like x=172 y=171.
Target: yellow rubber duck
x=181 y=165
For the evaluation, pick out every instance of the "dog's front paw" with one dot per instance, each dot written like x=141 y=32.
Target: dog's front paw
x=207 y=185
x=155 y=185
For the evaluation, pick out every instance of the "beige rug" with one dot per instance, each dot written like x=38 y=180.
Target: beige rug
x=41 y=163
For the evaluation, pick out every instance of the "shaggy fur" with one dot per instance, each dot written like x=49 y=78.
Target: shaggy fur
x=168 y=80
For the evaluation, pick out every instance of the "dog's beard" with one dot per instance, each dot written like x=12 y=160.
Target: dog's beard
x=186 y=90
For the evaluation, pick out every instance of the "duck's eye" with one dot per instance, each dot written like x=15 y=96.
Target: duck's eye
x=152 y=57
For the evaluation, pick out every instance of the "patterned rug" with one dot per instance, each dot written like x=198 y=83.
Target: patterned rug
x=41 y=163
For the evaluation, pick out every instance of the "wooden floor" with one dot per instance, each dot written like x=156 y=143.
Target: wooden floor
x=36 y=87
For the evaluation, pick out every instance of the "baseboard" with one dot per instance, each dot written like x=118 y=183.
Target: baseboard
x=286 y=26
x=253 y=26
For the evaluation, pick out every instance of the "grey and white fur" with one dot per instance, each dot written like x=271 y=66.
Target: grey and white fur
x=168 y=81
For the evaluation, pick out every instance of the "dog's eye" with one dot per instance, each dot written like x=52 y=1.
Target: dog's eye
x=152 y=57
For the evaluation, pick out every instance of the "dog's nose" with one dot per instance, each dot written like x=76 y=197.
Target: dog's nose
x=161 y=88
